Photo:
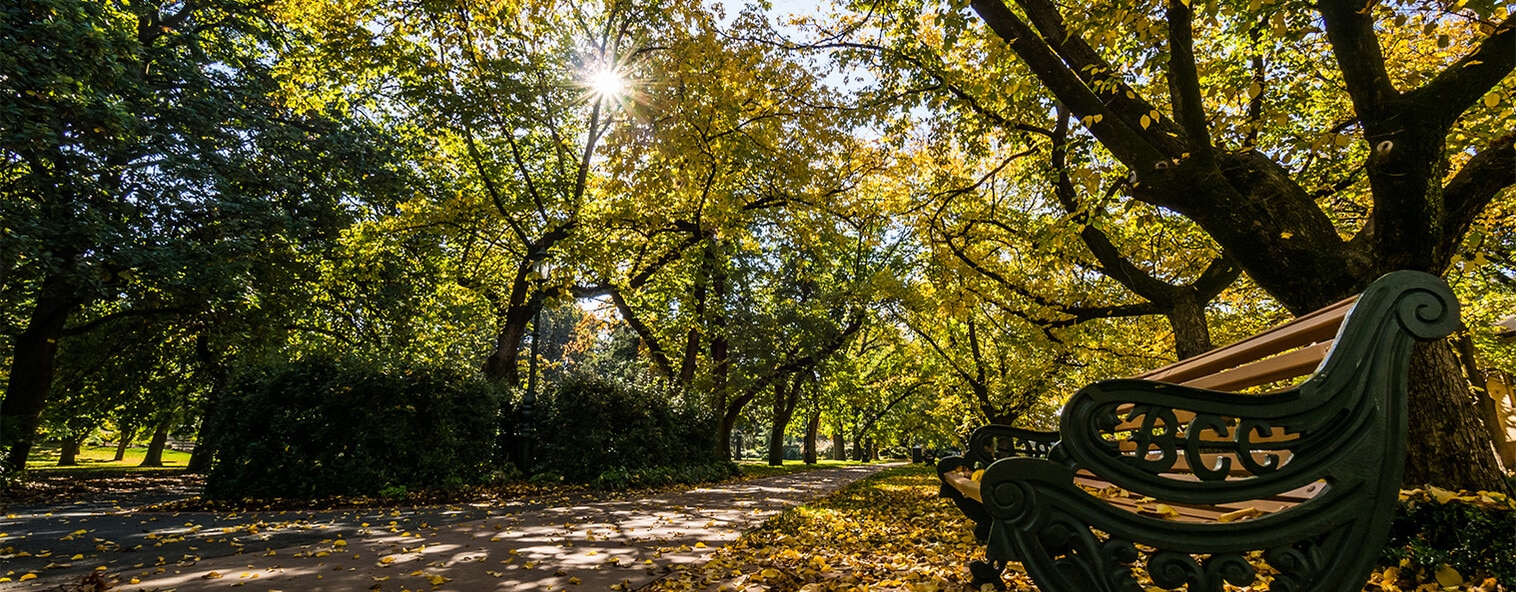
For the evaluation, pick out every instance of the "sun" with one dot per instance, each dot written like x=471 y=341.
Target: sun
x=607 y=84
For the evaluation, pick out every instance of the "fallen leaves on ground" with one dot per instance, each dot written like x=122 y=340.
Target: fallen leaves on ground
x=65 y=486
x=891 y=532
x=887 y=532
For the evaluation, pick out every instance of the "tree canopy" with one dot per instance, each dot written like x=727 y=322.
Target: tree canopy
x=880 y=221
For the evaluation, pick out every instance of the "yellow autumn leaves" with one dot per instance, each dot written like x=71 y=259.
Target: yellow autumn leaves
x=889 y=531
x=1482 y=499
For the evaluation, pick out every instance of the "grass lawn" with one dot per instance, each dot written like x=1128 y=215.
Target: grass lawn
x=91 y=458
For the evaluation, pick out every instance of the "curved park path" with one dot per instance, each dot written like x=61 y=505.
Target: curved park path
x=519 y=545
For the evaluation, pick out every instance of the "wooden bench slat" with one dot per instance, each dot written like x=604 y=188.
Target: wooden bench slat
x=968 y=487
x=1281 y=367
x=1318 y=326
x=1207 y=513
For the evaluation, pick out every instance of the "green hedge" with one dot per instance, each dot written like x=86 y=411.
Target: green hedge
x=614 y=435
x=322 y=427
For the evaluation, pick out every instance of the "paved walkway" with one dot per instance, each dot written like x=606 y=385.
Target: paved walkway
x=526 y=545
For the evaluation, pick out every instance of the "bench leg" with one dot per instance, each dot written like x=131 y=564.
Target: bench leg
x=987 y=572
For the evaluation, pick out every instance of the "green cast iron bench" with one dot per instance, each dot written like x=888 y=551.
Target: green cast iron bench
x=1175 y=475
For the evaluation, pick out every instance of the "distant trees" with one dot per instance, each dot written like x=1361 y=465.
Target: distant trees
x=147 y=171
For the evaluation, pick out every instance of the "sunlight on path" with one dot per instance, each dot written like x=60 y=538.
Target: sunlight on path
x=597 y=546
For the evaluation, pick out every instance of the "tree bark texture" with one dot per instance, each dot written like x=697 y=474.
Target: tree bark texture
x=215 y=373
x=501 y=364
x=729 y=416
x=720 y=360
x=812 y=432
x=154 y=456
x=123 y=440
x=1192 y=336
x=839 y=446
x=1445 y=421
x=69 y=455
x=786 y=398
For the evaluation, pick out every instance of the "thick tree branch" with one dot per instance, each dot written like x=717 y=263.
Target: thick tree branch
x=1216 y=276
x=941 y=353
x=1350 y=29
x=654 y=348
x=1100 y=76
x=1129 y=146
x=143 y=312
x=1112 y=263
x=489 y=185
x=1487 y=174
x=868 y=425
x=642 y=277
x=1184 y=80
x=1083 y=314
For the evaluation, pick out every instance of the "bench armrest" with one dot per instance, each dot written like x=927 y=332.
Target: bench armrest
x=995 y=441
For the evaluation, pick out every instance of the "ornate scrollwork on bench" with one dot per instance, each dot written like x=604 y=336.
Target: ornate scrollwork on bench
x=1156 y=439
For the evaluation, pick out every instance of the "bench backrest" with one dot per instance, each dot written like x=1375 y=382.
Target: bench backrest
x=1290 y=350
x=1257 y=360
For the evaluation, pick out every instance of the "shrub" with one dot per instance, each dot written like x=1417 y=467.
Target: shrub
x=1474 y=534
x=321 y=427
x=616 y=434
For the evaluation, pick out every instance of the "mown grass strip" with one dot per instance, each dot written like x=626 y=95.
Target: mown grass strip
x=45 y=458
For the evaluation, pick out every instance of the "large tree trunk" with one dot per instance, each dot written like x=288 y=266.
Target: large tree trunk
x=839 y=445
x=692 y=341
x=720 y=363
x=812 y=432
x=729 y=417
x=31 y=373
x=1444 y=424
x=123 y=440
x=1192 y=336
x=69 y=456
x=860 y=449
x=215 y=374
x=500 y=366
x=154 y=457
x=786 y=398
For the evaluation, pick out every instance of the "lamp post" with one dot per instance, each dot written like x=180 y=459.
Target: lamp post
x=526 y=433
